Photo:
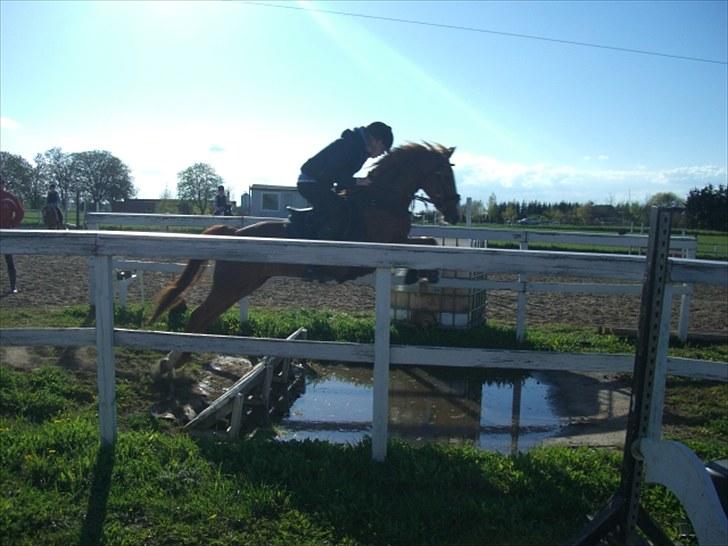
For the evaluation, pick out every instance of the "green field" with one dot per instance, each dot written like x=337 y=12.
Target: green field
x=161 y=486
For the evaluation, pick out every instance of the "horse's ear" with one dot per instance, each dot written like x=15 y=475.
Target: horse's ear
x=449 y=152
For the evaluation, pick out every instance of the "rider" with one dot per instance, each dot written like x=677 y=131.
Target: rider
x=337 y=163
x=220 y=202
x=53 y=201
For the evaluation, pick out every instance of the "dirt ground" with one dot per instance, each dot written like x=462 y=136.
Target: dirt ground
x=60 y=281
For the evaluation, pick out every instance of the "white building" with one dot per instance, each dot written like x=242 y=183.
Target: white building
x=270 y=200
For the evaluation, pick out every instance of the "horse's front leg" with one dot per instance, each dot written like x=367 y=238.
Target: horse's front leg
x=414 y=275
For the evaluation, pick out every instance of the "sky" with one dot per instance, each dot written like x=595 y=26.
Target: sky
x=256 y=88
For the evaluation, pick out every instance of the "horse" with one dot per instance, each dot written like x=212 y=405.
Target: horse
x=380 y=211
x=52 y=217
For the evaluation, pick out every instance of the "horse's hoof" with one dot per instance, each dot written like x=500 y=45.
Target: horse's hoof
x=433 y=276
x=162 y=368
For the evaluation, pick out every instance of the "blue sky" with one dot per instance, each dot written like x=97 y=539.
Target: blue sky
x=254 y=90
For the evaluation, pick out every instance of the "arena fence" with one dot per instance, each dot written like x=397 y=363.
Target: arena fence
x=103 y=246
x=448 y=236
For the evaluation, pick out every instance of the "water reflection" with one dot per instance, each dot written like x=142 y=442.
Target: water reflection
x=495 y=412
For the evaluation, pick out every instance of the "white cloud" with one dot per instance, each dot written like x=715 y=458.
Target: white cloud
x=7 y=123
x=478 y=176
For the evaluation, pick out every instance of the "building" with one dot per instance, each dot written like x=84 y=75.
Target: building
x=270 y=200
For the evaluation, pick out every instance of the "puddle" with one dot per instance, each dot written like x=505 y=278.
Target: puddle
x=489 y=411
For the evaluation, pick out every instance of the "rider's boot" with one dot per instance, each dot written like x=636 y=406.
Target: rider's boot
x=12 y=277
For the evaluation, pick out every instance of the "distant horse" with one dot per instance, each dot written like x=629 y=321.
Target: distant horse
x=53 y=217
x=380 y=213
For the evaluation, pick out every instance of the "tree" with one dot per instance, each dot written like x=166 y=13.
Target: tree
x=492 y=210
x=197 y=184
x=56 y=167
x=584 y=213
x=18 y=176
x=104 y=177
x=167 y=204
x=707 y=208
x=665 y=199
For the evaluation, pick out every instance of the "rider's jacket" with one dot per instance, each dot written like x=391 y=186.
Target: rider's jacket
x=53 y=199
x=11 y=211
x=339 y=161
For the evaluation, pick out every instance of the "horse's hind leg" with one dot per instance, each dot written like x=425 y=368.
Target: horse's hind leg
x=228 y=287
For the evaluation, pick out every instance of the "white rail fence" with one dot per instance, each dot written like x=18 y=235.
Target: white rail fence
x=697 y=493
x=448 y=236
x=103 y=246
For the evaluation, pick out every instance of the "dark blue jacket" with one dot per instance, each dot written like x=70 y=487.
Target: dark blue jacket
x=339 y=161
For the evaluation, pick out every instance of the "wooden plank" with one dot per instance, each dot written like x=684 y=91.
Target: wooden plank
x=249 y=249
x=52 y=337
x=106 y=380
x=240 y=386
x=380 y=410
x=237 y=416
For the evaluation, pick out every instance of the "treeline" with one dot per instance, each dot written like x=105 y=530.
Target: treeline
x=93 y=177
x=97 y=178
x=705 y=208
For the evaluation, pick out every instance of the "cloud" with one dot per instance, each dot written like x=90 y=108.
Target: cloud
x=479 y=176
x=7 y=123
x=216 y=149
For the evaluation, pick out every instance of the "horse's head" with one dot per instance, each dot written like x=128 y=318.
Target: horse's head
x=438 y=182
x=419 y=166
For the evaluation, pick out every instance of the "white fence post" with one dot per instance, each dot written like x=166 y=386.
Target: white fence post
x=522 y=302
x=104 y=303
x=244 y=311
x=685 y=300
x=380 y=413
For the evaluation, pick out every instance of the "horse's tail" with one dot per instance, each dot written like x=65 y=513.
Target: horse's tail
x=171 y=294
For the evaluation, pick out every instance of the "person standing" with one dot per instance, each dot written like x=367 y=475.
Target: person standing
x=11 y=214
x=220 y=202
x=53 y=201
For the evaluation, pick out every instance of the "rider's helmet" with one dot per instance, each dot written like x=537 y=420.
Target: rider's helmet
x=381 y=131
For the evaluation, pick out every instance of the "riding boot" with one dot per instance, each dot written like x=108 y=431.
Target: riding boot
x=12 y=277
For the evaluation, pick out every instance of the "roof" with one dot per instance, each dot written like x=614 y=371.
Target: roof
x=272 y=187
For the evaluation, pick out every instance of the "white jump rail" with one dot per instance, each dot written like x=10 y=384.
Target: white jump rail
x=104 y=245
x=687 y=246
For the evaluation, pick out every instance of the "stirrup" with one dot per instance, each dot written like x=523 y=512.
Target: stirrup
x=294 y=210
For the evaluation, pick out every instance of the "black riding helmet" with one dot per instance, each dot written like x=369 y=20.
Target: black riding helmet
x=381 y=131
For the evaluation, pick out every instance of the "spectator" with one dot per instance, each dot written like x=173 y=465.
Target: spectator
x=11 y=214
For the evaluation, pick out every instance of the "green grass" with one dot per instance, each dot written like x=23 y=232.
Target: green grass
x=160 y=486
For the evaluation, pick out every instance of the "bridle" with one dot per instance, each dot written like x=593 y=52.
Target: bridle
x=444 y=202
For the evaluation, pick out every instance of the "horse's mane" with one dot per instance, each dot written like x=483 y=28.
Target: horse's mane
x=400 y=158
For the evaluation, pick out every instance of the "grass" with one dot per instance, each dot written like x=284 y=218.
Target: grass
x=160 y=486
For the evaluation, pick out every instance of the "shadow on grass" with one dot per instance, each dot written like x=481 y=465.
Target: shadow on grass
x=93 y=524
x=431 y=494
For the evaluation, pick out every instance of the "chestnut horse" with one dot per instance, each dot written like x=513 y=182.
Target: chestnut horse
x=381 y=213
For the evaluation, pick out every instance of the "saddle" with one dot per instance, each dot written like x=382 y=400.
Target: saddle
x=308 y=223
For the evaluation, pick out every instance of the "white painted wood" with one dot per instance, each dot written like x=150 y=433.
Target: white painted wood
x=676 y=467
x=240 y=386
x=106 y=380
x=250 y=249
x=361 y=352
x=236 y=418
x=52 y=337
x=380 y=414
x=244 y=310
x=521 y=305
